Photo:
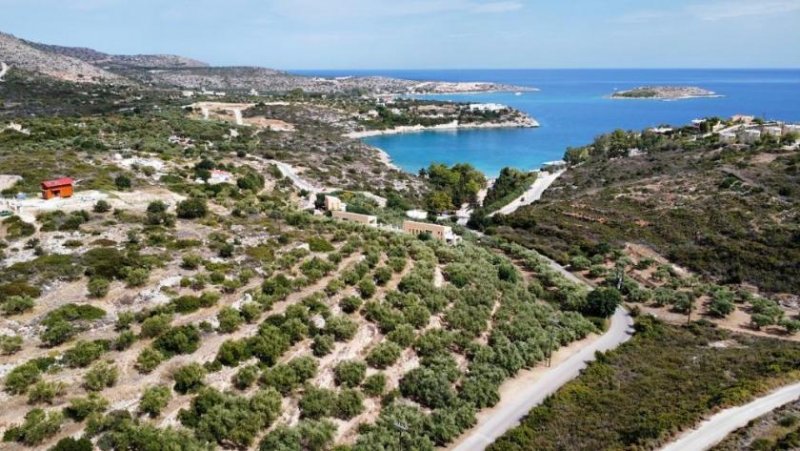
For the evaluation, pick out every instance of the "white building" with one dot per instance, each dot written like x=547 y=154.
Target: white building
x=750 y=136
x=772 y=130
x=417 y=214
x=334 y=204
x=728 y=137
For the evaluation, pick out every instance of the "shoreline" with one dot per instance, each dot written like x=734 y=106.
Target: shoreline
x=452 y=126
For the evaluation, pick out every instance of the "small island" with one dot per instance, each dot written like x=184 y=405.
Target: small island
x=664 y=93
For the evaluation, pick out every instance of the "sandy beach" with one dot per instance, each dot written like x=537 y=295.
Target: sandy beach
x=450 y=126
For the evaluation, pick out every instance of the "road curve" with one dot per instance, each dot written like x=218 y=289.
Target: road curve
x=716 y=428
x=508 y=415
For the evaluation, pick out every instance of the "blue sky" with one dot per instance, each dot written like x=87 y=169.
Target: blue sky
x=405 y=34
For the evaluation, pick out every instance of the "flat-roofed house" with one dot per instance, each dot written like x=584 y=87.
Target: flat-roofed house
x=355 y=217
x=439 y=232
x=334 y=204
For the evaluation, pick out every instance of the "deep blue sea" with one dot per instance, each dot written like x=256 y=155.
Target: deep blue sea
x=572 y=108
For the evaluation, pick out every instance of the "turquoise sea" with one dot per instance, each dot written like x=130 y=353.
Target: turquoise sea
x=572 y=108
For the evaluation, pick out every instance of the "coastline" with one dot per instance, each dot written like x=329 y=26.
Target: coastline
x=451 y=126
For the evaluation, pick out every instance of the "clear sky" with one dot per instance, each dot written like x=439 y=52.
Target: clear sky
x=422 y=34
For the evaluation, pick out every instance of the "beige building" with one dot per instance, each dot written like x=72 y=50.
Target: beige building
x=355 y=217
x=439 y=232
x=334 y=204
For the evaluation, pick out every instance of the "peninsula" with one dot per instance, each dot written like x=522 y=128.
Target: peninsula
x=664 y=93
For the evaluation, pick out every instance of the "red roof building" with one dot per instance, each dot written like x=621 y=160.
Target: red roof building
x=62 y=187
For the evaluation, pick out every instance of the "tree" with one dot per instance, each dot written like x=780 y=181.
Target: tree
x=374 y=385
x=349 y=373
x=384 y=355
x=349 y=403
x=73 y=444
x=721 y=307
x=602 y=302
x=154 y=399
x=192 y=208
x=80 y=408
x=317 y=402
x=322 y=345
x=428 y=387
x=308 y=435
x=189 y=377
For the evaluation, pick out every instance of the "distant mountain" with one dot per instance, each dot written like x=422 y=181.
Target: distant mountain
x=20 y=54
x=97 y=58
x=84 y=65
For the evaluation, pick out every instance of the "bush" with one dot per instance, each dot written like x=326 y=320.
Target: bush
x=229 y=320
x=189 y=377
x=98 y=287
x=101 y=206
x=73 y=444
x=374 y=385
x=308 y=435
x=20 y=378
x=349 y=403
x=122 y=182
x=384 y=355
x=10 y=344
x=178 y=340
x=38 y=426
x=137 y=277
x=350 y=304
x=16 y=305
x=349 y=373
x=84 y=353
x=148 y=360
x=154 y=399
x=45 y=392
x=317 y=403
x=341 y=327
x=322 y=345
x=366 y=288
x=245 y=377
x=100 y=376
x=155 y=325
x=192 y=209
x=80 y=408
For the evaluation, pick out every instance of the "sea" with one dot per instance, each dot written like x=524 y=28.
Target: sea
x=573 y=106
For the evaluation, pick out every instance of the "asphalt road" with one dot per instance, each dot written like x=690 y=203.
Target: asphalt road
x=515 y=409
x=716 y=428
x=534 y=193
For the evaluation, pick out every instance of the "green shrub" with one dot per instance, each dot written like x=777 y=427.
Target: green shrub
x=80 y=408
x=189 y=377
x=100 y=376
x=98 y=287
x=148 y=360
x=38 y=426
x=154 y=399
x=349 y=373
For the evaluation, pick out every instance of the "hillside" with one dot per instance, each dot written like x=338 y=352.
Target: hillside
x=727 y=211
x=19 y=54
x=97 y=58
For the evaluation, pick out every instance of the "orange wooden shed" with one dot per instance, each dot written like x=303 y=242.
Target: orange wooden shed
x=62 y=187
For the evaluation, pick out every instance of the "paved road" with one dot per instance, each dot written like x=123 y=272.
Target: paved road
x=534 y=193
x=716 y=428
x=298 y=181
x=515 y=409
